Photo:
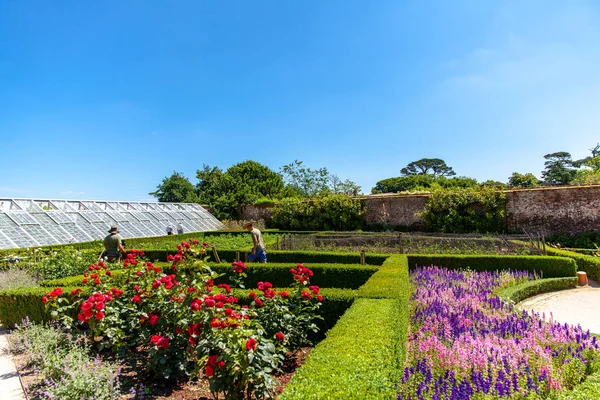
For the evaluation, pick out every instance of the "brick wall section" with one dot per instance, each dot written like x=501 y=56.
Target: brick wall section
x=545 y=210
x=254 y=213
x=396 y=210
x=554 y=210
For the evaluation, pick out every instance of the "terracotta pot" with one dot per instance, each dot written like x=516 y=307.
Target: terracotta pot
x=582 y=278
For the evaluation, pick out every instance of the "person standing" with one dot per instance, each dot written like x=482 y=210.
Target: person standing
x=113 y=245
x=179 y=229
x=169 y=230
x=258 y=253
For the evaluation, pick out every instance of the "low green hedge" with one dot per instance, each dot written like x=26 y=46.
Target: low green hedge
x=363 y=354
x=325 y=275
x=528 y=289
x=281 y=256
x=16 y=304
x=589 y=264
x=355 y=361
x=551 y=267
x=587 y=390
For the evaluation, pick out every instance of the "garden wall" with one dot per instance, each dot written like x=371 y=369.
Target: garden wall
x=554 y=210
x=544 y=210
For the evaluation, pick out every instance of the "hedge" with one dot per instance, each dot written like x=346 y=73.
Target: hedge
x=363 y=354
x=551 y=267
x=528 y=289
x=589 y=264
x=289 y=256
x=355 y=361
x=16 y=304
x=325 y=275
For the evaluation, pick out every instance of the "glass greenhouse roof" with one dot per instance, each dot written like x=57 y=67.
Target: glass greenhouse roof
x=33 y=222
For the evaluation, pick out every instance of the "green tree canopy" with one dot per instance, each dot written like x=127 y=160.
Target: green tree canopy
x=304 y=181
x=527 y=180
x=560 y=169
x=425 y=166
x=176 y=189
x=414 y=183
x=242 y=183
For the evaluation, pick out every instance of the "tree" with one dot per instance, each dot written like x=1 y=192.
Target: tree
x=306 y=182
x=559 y=170
x=527 y=180
x=414 y=183
x=176 y=189
x=589 y=174
x=242 y=183
x=422 y=167
x=347 y=187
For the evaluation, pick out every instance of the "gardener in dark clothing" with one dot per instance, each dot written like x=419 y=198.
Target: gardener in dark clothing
x=113 y=245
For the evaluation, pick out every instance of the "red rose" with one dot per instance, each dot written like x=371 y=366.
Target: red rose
x=97 y=281
x=163 y=343
x=258 y=302
x=99 y=315
x=136 y=299
x=209 y=371
x=209 y=303
x=320 y=298
x=279 y=336
x=195 y=306
x=44 y=300
x=252 y=295
x=153 y=319
x=80 y=317
x=154 y=339
x=251 y=344
x=99 y=306
x=305 y=294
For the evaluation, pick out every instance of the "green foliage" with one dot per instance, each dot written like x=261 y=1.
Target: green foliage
x=176 y=189
x=15 y=277
x=68 y=370
x=465 y=210
x=589 y=264
x=423 y=166
x=560 y=169
x=550 y=267
x=581 y=240
x=527 y=180
x=373 y=332
x=355 y=360
x=64 y=261
x=17 y=304
x=415 y=183
x=305 y=182
x=528 y=289
x=333 y=212
x=242 y=183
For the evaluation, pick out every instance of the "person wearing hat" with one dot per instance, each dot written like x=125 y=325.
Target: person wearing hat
x=258 y=253
x=113 y=245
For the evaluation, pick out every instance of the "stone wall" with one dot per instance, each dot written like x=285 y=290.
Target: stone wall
x=544 y=210
x=395 y=210
x=254 y=213
x=554 y=210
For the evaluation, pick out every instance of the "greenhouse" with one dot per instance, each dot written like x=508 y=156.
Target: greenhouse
x=34 y=222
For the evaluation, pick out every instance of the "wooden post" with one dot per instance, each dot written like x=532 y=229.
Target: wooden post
x=245 y=257
x=237 y=256
x=544 y=244
x=216 y=255
x=277 y=243
x=362 y=257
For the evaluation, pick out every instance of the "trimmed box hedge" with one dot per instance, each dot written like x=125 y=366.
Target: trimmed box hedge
x=343 y=276
x=528 y=289
x=589 y=264
x=16 y=304
x=363 y=354
x=551 y=267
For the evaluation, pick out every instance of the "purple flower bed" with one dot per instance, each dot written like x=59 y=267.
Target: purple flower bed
x=466 y=343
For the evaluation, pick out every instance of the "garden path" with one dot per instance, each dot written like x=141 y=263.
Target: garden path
x=10 y=384
x=573 y=306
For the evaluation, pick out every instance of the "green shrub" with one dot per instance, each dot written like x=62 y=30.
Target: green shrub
x=16 y=304
x=345 y=276
x=551 y=267
x=15 y=277
x=589 y=264
x=354 y=361
x=389 y=281
x=582 y=240
x=528 y=289
x=69 y=372
x=465 y=210
x=334 y=212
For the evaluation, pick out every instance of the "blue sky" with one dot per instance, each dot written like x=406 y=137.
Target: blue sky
x=102 y=100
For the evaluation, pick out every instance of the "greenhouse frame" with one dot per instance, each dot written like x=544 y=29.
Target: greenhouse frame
x=35 y=222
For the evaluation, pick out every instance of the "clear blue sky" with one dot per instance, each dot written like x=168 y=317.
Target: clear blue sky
x=102 y=100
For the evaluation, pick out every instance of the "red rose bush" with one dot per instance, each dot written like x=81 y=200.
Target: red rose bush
x=176 y=322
